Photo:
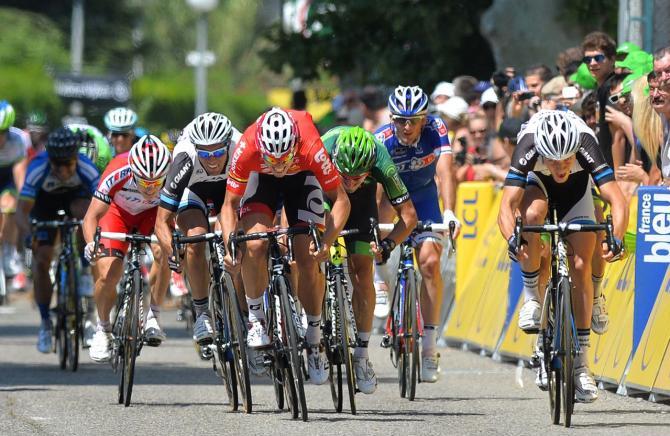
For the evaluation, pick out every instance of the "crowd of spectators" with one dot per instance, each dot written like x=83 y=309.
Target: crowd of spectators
x=622 y=92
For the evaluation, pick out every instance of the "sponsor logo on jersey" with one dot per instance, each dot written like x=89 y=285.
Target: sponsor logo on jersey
x=238 y=152
x=322 y=157
x=586 y=155
x=441 y=128
x=117 y=176
x=186 y=168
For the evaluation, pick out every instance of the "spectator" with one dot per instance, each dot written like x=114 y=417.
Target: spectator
x=509 y=129
x=464 y=87
x=454 y=113
x=599 y=51
x=492 y=110
x=568 y=61
x=526 y=102
x=659 y=91
x=443 y=92
x=648 y=128
x=552 y=93
x=479 y=160
x=375 y=109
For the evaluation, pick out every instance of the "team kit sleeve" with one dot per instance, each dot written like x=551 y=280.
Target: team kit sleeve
x=591 y=158
x=386 y=173
x=320 y=164
x=241 y=163
x=38 y=168
x=176 y=181
x=112 y=179
x=89 y=174
x=523 y=161
x=440 y=128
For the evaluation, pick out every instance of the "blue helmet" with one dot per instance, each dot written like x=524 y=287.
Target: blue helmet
x=408 y=101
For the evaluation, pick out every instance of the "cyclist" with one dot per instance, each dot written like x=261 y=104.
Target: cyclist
x=13 y=145
x=126 y=201
x=95 y=147
x=194 y=188
x=281 y=157
x=57 y=178
x=555 y=160
x=121 y=122
x=37 y=127
x=419 y=146
x=362 y=162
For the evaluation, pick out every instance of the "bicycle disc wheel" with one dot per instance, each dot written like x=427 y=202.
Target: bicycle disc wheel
x=567 y=355
x=345 y=342
x=238 y=334
x=292 y=352
x=221 y=344
x=73 y=328
x=411 y=336
x=131 y=341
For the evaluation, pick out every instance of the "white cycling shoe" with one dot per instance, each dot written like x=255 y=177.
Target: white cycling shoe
x=366 y=379
x=382 y=306
x=44 y=337
x=317 y=365
x=153 y=333
x=586 y=390
x=203 y=333
x=101 y=347
x=430 y=368
x=257 y=335
x=529 y=316
x=600 y=320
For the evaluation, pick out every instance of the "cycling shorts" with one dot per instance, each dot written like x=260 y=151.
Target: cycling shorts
x=118 y=220
x=573 y=199
x=46 y=208
x=363 y=207
x=204 y=196
x=7 y=180
x=427 y=205
x=300 y=193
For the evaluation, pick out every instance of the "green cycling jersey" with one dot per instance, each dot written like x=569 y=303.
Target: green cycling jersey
x=97 y=147
x=384 y=170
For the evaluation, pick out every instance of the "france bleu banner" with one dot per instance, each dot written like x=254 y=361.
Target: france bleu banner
x=652 y=253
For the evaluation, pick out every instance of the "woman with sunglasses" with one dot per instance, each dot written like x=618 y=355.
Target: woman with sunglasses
x=126 y=201
x=362 y=162
x=194 y=190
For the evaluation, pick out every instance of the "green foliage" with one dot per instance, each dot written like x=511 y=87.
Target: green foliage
x=592 y=15
x=404 y=41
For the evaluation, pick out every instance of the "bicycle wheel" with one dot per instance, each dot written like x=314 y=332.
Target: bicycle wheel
x=293 y=354
x=131 y=340
x=328 y=328
x=411 y=335
x=345 y=341
x=73 y=322
x=61 y=318
x=238 y=334
x=399 y=330
x=222 y=344
x=4 y=298
x=120 y=330
x=567 y=351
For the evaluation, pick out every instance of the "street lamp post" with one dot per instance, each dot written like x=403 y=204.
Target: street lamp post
x=201 y=58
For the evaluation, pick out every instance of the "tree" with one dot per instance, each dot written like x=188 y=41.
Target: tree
x=404 y=41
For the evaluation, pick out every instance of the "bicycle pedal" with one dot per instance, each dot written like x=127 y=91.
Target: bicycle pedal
x=531 y=331
x=206 y=353
x=386 y=341
x=153 y=342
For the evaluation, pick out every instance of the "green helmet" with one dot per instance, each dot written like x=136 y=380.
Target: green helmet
x=355 y=151
x=36 y=121
x=7 y=115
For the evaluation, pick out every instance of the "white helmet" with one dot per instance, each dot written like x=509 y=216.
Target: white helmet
x=557 y=135
x=276 y=133
x=149 y=158
x=210 y=128
x=408 y=101
x=120 y=119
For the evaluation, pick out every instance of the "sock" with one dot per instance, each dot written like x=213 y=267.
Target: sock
x=44 y=312
x=530 y=280
x=255 y=306
x=103 y=326
x=200 y=306
x=596 y=285
x=154 y=312
x=313 y=334
x=361 y=350
x=583 y=336
x=429 y=341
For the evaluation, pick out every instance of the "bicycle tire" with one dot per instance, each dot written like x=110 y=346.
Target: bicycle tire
x=278 y=384
x=345 y=341
x=328 y=327
x=238 y=342
x=222 y=329
x=131 y=342
x=4 y=297
x=121 y=330
x=292 y=352
x=553 y=373
x=73 y=324
x=61 y=319
x=399 y=341
x=567 y=355
x=411 y=335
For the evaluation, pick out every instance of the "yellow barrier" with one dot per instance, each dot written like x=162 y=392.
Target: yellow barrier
x=475 y=203
x=517 y=344
x=479 y=312
x=650 y=353
x=662 y=383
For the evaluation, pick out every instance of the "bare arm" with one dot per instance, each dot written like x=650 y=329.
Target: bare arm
x=19 y=173
x=403 y=227
x=22 y=215
x=447 y=186
x=339 y=214
x=612 y=194
x=96 y=210
x=164 y=228
x=228 y=214
x=511 y=199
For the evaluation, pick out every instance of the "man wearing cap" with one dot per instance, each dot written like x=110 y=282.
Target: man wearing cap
x=443 y=92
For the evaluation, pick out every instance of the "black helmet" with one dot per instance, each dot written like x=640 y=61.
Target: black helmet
x=63 y=144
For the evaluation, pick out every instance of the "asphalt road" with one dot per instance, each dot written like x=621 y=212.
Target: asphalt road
x=177 y=393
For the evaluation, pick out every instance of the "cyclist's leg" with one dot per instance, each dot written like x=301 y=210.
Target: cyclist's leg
x=386 y=215
x=109 y=269
x=599 y=316
x=8 y=232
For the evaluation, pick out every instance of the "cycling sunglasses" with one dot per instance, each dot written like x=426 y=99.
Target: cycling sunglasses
x=402 y=121
x=148 y=184
x=354 y=179
x=598 y=58
x=273 y=161
x=219 y=152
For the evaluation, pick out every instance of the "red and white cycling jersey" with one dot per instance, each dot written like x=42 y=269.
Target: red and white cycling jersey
x=118 y=188
x=310 y=155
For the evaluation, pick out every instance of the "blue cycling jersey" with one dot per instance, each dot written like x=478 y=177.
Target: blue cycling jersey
x=39 y=178
x=416 y=164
